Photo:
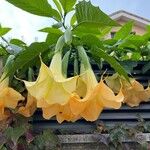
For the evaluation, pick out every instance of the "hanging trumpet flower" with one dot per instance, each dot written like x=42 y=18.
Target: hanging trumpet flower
x=97 y=96
x=8 y=97
x=52 y=90
x=134 y=92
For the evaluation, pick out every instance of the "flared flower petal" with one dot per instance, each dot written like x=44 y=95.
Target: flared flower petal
x=62 y=112
x=134 y=92
x=52 y=91
x=47 y=88
x=9 y=98
x=30 y=107
x=98 y=96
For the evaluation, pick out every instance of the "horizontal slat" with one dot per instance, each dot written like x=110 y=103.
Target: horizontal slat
x=91 y=138
x=124 y=116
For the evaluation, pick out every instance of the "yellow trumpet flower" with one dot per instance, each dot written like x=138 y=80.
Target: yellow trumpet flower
x=97 y=95
x=134 y=92
x=8 y=98
x=52 y=90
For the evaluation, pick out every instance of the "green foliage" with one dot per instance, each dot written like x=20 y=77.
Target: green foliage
x=86 y=13
x=40 y=7
x=15 y=133
x=58 y=6
x=67 y=5
x=17 y=42
x=18 y=134
x=47 y=140
x=73 y=19
x=120 y=132
x=52 y=31
x=3 y=30
x=124 y=31
x=91 y=19
x=3 y=51
x=99 y=53
x=24 y=57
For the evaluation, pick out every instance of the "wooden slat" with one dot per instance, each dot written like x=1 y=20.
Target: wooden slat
x=93 y=138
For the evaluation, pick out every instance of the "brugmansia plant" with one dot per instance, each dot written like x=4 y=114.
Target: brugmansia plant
x=40 y=75
x=56 y=75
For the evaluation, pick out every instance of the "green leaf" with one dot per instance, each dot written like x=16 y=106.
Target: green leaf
x=52 y=30
x=99 y=53
x=3 y=51
x=15 y=133
x=86 y=13
x=58 y=6
x=124 y=31
x=36 y=7
x=53 y=34
x=17 y=42
x=67 y=5
x=3 y=31
x=91 y=40
x=52 y=38
x=73 y=19
x=91 y=19
x=133 y=41
x=47 y=140
x=24 y=57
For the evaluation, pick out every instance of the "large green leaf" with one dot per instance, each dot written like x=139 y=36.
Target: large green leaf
x=26 y=56
x=133 y=40
x=67 y=5
x=124 y=31
x=91 y=19
x=58 y=6
x=73 y=19
x=91 y=40
x=99 y=53
x=3 y=31
x=37 y=7
x=53 y=34
x=52 y=30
